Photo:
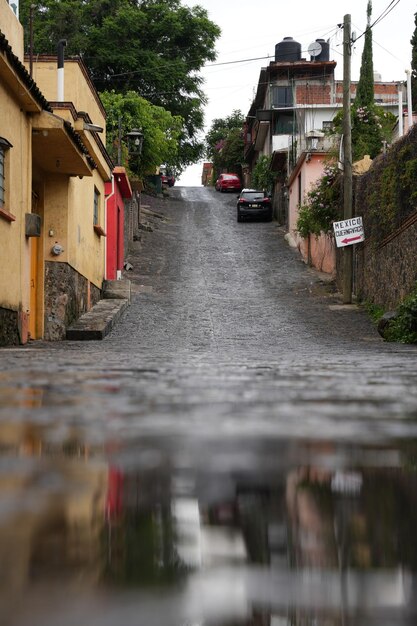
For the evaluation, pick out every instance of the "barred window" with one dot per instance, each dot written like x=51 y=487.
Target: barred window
x=281 y=97
x=284 y=124
x=96 y=207
x=1 y=176
x=4 y=146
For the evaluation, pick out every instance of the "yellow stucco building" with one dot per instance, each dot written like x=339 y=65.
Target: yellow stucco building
x=53 y=169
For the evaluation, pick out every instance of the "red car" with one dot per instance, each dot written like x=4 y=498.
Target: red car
x=167 y=177
x=228 y=182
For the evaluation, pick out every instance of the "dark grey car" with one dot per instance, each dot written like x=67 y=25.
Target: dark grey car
x=254 y=204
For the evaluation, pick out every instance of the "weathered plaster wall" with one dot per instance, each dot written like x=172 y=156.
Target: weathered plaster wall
x=86 y=249
x=15 y=127
x=78 y=88
x=11 y=28
x=320 y=252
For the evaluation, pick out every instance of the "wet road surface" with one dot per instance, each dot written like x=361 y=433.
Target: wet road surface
x=240 y=450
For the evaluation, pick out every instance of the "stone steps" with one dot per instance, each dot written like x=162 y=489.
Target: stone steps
x=98 y=321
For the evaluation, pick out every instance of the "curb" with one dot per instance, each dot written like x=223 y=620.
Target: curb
x=98 y=321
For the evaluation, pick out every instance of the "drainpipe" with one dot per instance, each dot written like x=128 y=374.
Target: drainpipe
x=61 y=45
x=400 y=111
x=409 y=100
x=106 y=205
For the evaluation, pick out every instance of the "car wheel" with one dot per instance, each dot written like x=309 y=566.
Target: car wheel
x=239 y=217
x=221 y=190
x=269 y=217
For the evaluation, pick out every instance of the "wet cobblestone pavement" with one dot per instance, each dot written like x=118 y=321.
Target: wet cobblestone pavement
x=239 y=450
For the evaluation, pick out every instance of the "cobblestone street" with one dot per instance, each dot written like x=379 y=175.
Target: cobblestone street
x=233 y=392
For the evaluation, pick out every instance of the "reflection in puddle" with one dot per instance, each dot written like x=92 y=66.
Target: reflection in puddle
x=303 y=537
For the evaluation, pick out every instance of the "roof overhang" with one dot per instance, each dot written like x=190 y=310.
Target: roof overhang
x=95 y=147
x=122 y=179
x=261 y=135
x=18 y=86
x=54 y=148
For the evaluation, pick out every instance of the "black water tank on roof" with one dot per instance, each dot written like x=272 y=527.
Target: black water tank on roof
x=325 y=50
x=288 y=50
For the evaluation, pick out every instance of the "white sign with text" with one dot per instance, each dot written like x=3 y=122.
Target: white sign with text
x=348 y=232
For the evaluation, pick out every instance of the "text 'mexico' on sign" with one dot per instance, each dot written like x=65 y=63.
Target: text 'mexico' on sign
x=348 y=232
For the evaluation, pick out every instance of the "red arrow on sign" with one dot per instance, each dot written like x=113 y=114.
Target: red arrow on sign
x=351 y=239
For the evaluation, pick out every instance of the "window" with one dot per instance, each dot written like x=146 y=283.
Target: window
x=96 y=207
x=284 y=124
x=4 y=147
x=281 y=97
x=96 y=217
x=327 y=125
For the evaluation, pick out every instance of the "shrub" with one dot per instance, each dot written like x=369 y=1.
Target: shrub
x=322 y=206
x=403 y=328
x=262 y=176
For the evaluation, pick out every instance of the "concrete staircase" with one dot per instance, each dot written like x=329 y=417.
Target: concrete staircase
x=96 y=323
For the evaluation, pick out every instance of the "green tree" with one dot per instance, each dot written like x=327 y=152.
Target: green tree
x=371 y=125
x=365 y=89
x=154 y=47
x=161 y=130
x=224 y=143
x=262 y=176
x=414 y=63
x=366 y=127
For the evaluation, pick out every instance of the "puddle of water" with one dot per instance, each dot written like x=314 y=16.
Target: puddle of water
x=271 y=532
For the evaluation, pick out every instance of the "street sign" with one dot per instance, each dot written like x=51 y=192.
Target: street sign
x=348 y=232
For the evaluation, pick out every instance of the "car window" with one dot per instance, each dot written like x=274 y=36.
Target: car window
x=253 y=195
x=229 y=177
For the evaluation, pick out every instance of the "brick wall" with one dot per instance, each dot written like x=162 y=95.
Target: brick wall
x=313 y=93
x=387 y=92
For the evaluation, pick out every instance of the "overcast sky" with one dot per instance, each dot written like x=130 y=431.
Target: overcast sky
x=252 y=28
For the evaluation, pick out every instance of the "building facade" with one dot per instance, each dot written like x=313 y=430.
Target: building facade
x=288 y=122
x=33 y=142
x=54 y=169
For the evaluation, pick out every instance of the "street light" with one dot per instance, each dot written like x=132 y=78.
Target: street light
x=135 y=142
x=134 y=148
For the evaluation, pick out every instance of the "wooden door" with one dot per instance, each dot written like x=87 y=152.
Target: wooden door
x=33 y=317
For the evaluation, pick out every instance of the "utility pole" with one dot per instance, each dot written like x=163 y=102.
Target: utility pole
x=347 y=159
x=119 y=142
x=31 y=10
x=409 y=101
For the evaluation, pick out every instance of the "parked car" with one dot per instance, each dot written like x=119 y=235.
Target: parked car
x=228 y=182
x=255 y=204
x=167 y=177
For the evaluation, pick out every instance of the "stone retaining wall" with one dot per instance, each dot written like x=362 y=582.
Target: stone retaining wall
x=9 y=328
x=385 y=196
x=386 y=274
x=67 y=296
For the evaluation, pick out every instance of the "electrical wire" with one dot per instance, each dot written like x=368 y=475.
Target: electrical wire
x=330 y=33
x=379 y=19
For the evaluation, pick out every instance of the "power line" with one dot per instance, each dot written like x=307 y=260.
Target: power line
x=237 y=61
x=223 y=63
x=379 y=19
